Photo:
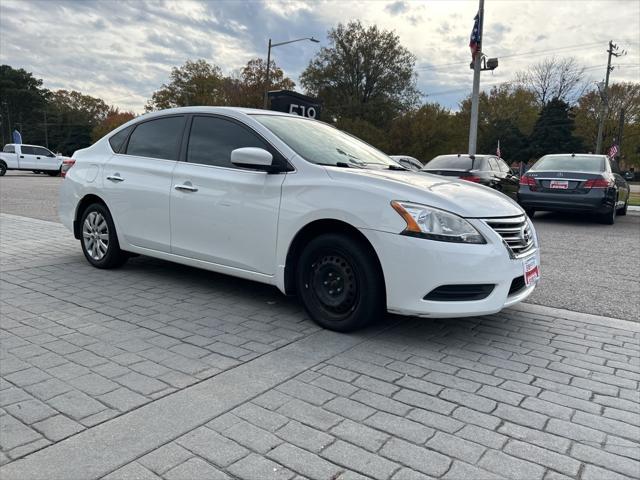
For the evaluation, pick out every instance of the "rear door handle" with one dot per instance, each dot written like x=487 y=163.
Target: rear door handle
x=185 y=187
x=37 y=158
x=115 y=178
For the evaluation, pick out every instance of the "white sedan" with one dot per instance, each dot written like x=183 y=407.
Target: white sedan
x=298 y=204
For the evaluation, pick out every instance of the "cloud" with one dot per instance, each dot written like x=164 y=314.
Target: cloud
x=123 y=51
x=396 y=8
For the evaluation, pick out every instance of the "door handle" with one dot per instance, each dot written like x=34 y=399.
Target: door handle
x=37 y=158
x=186 y=188
x=21 y=156
x=115 y=178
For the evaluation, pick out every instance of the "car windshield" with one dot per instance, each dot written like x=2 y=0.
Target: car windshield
x=322 y=144
x=449 y=161
x=570 y=163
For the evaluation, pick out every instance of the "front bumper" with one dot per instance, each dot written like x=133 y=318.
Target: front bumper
x=413 y=267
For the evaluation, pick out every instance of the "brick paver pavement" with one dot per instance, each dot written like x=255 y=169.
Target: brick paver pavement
x=162 y=371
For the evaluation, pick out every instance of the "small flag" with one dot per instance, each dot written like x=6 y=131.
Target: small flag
x=475 y=41
x=613 y=151
x=498 y=150
x=17 y=138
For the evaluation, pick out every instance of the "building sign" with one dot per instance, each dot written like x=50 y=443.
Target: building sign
x=295 y=103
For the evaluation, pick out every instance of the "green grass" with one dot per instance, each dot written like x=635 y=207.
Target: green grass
x=634 y=199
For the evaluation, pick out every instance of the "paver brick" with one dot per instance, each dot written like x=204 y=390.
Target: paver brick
x=165 y=457
x=553 y=460
x=480 y=435
x=76 y=405
x=252 y=437
x=58 y=427
x=463 y=471
x=306 y=463
x=474 y=417
x=468 y=400
x=306 y=392
x=431 y=419
x=418 y=458
x=360 y=435
x=610 y=461
x=141 y=383
x=456 y=447
x=30 y=411
x=400 y=427
x=376 y=386
x=123 y=399
x=261 y=417
x=381 y=402
x=510 y=467
x=360 y=460
x=304 y=437
x=212 y=446
x=520 y=416
x=349 y=408
x=608 y=425
x=14 y=433
x=195 y=468
x=334 y=386
x=258 y=467
x=132 y=471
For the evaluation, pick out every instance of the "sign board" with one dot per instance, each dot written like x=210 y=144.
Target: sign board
x=295 y=103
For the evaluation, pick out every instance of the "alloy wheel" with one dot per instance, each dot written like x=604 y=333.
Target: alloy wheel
x=95 y=235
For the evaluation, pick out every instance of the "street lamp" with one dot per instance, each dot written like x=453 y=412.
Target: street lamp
x=271 y=45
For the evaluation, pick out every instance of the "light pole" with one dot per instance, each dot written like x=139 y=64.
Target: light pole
x=271 y=45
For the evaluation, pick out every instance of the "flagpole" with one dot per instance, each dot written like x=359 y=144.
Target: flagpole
x=475 y=96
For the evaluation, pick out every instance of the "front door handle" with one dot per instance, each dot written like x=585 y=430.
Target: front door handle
x=115 y=178
x=37 y=158
x=186 y=187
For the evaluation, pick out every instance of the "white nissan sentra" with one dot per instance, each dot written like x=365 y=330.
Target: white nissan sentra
x=298 y=204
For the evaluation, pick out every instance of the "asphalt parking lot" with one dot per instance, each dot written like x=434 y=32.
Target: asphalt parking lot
x=586 y=267
x=160 y=371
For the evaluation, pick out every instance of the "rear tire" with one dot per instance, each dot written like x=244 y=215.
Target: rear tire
x=99 y=239
x=623 y=211
x=53 y=173
x=609 y=218
x=3 y=169
x=340 y=283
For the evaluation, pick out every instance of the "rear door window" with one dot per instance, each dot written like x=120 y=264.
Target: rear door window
x=9 y=149
x=158 y=138
x=43 y=152
x=27 y=150
x=118 y=140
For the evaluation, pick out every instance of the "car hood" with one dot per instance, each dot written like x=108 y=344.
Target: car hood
x=464 y=198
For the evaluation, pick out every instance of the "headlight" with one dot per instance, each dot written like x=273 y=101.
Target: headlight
x=435 y=224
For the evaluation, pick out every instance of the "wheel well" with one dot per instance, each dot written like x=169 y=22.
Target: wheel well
x=314 y=229
x=84 y=203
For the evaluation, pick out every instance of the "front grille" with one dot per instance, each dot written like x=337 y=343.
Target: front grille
x=516 y=234
x=459 y=293
x=517 y=284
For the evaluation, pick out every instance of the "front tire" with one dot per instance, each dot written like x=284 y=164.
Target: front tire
x=340 y=283
x=3 y=169
x=99 y=239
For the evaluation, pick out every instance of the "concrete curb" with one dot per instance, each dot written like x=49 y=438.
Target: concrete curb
x=577 y=316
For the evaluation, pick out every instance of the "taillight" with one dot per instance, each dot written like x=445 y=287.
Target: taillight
x=598 y=183
x=526 y=180
x=66 y=165
x=471 y=178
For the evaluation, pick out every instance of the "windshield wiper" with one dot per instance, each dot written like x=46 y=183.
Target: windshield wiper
x=341 y=165
x=397 y=167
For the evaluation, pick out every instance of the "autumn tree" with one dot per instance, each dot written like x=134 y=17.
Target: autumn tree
x=247 y=90
x=561 y=78
x=554 y=130
x=364 y=73
x=623 y=95
x=113 y=119
x=194 y=83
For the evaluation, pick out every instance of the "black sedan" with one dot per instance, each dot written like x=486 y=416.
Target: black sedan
x=575 y=183
x=487 y=170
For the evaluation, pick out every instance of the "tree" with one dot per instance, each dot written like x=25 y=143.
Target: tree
x=553 y=131
x=71 y=119
x=194 y=83
x=22 y=104
x=561 y=78
x=248 y=89
x=621 y=95
x=507 y=113
x=364 y=73
x=425 y=133
x=111 y=121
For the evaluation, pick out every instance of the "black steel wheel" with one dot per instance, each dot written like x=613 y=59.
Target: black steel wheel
x=340 y=283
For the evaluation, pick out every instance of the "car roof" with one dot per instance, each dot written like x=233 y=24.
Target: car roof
x=221 y=110
x=24 y=145
x=598 y=155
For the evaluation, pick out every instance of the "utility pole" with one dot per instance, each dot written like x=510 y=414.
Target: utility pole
x=620 y=128
x=46 y=136
x=475 y=96
x=613 y=52
x=266 y=81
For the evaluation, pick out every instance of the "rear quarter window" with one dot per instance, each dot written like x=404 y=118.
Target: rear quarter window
x=117 y=141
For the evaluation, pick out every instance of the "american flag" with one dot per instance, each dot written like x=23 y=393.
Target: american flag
x=613 y=151
x=498 y=150
x=475 y=41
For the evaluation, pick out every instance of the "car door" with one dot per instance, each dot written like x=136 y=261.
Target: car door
x=621 y=183
x=137 y=180
x=45 y=160
x=27 y=158
x=222 y=213
x=494 y=172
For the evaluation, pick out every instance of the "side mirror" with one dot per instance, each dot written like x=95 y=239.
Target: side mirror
x=251 y=157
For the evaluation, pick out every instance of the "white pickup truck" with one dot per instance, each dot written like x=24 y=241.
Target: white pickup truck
x=15 y=156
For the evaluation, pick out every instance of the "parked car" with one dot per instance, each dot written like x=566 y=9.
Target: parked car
x=575 y=183
x=408 y=162
x=296 y=203
x=487 y=170
x=629 y=176
x=15 y=156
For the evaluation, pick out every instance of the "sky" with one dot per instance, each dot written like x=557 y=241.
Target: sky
x=122 y=51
